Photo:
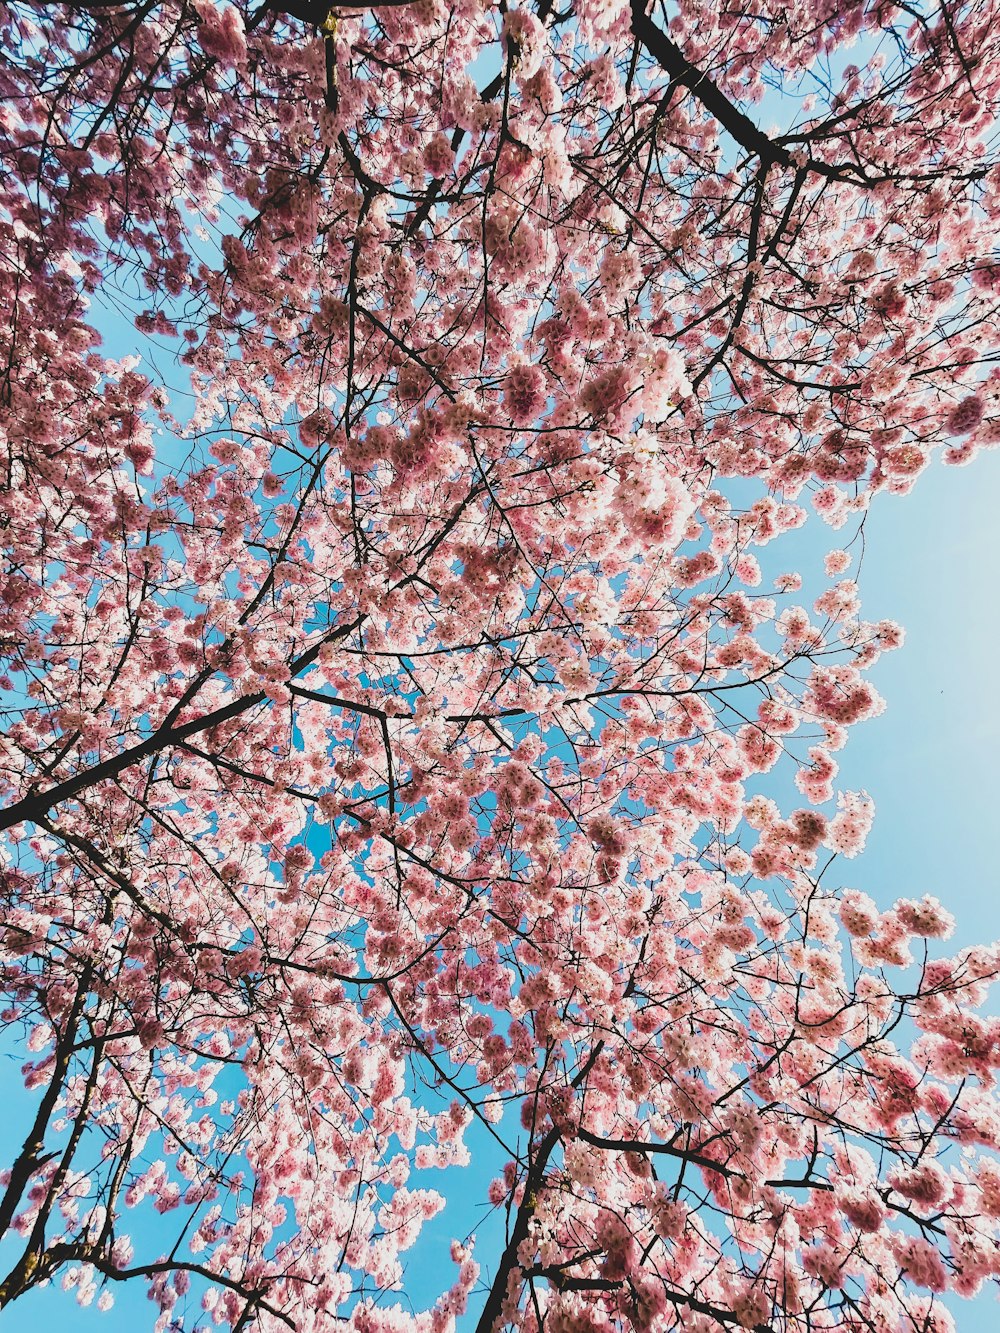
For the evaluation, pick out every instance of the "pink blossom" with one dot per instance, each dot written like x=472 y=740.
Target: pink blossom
x=965 y=416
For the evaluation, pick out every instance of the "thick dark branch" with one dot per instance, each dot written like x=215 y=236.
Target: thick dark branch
x=519 y=1233
x=31 y=807
x=30 y=1158
x=317 y=14
x=639 y=1146
x=674 y=62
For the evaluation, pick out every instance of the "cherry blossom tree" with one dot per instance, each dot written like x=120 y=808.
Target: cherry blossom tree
x=390 y=686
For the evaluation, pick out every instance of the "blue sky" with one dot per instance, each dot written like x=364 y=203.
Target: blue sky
x=931 y=760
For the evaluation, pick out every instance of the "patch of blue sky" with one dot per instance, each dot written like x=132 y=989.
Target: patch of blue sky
x=930 y=561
